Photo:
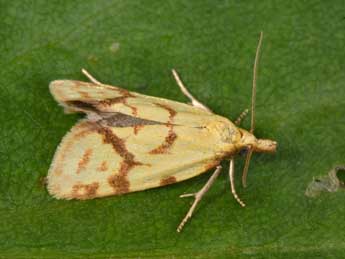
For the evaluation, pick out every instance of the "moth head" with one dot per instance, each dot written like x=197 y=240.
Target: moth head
x=265 y=146
x=250 y=144
x=249 y=141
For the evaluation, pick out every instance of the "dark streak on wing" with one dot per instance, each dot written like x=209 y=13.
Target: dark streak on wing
x=123 y=120
x=168 y=180
x=112 y=119
x=82 y=106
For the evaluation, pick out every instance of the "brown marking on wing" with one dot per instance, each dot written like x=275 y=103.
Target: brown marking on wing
x=119 y=181
x=84 y=94
x=115 y=100
x=84 y=128
x=109 y=137
x=76 y=84
x=168 y=142
x=136 y=128
x=125 y=92
x=121 y=99
x=133 y=108
x=81 y=130
x=168 y=180
x=83 y=133
x=85 y=191
x=172 y=112
x=58 y=92
x=84 y=160
x=170 y=139
x=103 y=167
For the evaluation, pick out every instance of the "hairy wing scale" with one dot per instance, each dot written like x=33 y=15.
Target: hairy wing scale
x=94 y=160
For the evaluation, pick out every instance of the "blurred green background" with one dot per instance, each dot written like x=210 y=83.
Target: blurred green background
x=134 y=44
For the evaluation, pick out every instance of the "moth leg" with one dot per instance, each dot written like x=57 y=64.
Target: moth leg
x=90 y=77
x=241 y=117
x=198 y=196
x=232 y=182
x=185 y=91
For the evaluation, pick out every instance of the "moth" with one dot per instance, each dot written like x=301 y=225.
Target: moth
x=132 y=142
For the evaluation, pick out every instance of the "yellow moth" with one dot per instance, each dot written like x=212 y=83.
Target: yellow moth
x=131 y=142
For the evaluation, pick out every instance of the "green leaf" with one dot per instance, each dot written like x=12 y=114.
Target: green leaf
x=134 y=44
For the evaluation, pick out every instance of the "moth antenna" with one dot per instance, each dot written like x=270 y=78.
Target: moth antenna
x=90 y=77
x=246 y=167
x=241 y=117
x=252 y=124
x=232 y=182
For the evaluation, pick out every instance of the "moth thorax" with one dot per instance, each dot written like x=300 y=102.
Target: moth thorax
x=226 y=131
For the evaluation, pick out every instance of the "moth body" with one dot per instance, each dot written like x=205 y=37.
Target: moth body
x=131 y=142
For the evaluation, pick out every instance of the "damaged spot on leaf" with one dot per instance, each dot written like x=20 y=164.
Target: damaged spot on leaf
x=332 y=182
x=340 y=174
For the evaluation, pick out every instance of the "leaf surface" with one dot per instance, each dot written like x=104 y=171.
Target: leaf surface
x=135 y=44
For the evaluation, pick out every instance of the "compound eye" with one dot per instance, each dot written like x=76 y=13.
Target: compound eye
x=243 y=151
